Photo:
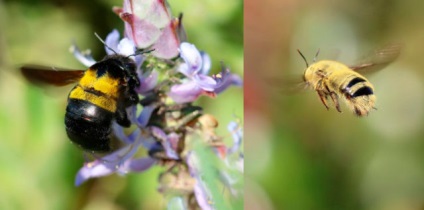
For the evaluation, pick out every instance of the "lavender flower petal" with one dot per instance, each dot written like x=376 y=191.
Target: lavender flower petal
x=126 y=47
x=170 y=145
x=158 y=133
x=207 y=63
x=140 y=164
x=85 y=58
x=112 y=41
x=119 y=132
x=148 y=81
x=185 y=69
x=173 y=139
x=186 y=92
x=226 y=79
x=114 y=162
x=205 y=82
x=169 y=142
x=93 y=169
x=101 y=167
x=192 y=58
x=202 y=196
x=145 y=115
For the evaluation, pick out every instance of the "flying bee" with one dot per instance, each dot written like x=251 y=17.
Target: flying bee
x=333 y=80
x=101 y=96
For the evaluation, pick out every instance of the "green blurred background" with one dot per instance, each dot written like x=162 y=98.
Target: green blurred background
x=37 y=162
x=301 y=156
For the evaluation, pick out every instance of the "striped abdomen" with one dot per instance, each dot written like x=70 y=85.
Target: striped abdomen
x=359 y=94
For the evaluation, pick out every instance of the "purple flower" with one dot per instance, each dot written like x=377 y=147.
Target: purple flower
x=169 y=141
x=196 y=67
x=120 y=161
x=145 y=115
x=226 y=79
x=114 y=45
x=149 y=23
x=148 y=81
x=187 y=92
x=124 y=47
x=202 y=196
x=103 y=167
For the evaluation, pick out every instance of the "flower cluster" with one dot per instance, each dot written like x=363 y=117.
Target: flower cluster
x=168 y=126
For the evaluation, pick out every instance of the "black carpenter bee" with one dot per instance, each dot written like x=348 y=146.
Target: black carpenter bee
x=102 y=94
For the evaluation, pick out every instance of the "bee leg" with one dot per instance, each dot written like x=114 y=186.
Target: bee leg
x=132 y=98
x=121 y=117
x=323 y=98
x=335 y=99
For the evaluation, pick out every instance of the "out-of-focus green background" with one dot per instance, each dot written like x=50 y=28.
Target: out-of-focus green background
x=301 y=156
x=37 y=162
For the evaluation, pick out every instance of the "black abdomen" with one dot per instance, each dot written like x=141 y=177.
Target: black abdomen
x=88 y=125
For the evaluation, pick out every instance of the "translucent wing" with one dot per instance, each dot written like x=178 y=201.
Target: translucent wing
x=379 y=59
x=44 y=75
x=288 y=85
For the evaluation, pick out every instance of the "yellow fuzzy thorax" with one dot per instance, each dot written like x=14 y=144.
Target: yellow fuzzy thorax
x=104 y=84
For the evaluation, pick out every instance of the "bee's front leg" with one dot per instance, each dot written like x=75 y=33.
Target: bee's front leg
x=323 y=97
x=335 y=99
x=322 y=93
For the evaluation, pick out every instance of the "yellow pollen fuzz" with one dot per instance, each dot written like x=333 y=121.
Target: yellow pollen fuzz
x=105 y=84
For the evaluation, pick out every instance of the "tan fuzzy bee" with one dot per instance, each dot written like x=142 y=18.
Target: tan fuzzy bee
x=334 y=80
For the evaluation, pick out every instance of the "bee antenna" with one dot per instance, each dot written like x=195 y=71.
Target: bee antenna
x=141 y=51
x=98 y=37
x=307 y=65
x=316 y=55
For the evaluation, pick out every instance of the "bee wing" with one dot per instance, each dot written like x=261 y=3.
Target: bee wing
x=44 y=75
x=288 y=85
x=379 y=59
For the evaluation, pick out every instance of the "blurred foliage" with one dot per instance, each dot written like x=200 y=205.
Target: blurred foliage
x=37 y=160
x=301 y=156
